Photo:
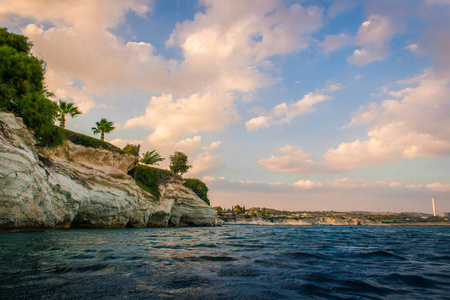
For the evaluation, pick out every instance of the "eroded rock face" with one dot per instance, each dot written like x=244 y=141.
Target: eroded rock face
x=74 y=186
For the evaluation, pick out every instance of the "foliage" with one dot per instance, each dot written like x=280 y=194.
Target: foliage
x=64 y=109
x=132 y=149
x=154 y=190
x=218 y=209
x=22 y=89
x=165 y=175
x=179 y=163
x=148 y=177
x=239 y=209
x=198 y=187
x=88 y=141
x=103 y=126
x=151 y=158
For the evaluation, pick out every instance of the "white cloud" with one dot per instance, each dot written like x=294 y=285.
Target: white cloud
x=414 y=48
x=335 y=42
x=89 y=15
x=374 y=36
x=258 y=122
x=210 y=179
x=62 y=88
x=76 y=43
x=284 y=113
x=228 y=44
x=293 y=160
x=221 y=50
x=308 y=184
x=413 y=124
x=206 y=162
x=172 y=118
x=341 y=6
x=333 y=185
x=227 y=47
x=364 y=115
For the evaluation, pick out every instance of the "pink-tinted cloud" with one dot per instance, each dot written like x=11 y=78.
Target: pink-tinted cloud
x=284 y=113
x=414 y=123
x=374 y=36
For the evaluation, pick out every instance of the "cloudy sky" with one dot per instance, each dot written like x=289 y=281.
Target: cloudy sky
x=300 y=105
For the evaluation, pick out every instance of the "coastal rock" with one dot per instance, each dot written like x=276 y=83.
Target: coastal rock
x=75 y=186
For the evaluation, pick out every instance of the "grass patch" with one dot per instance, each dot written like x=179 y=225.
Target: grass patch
x=152 y=190
x=88 y=141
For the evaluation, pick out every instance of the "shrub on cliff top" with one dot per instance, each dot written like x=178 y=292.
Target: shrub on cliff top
x=149 y=178
x=22 y=89
x=198 y=187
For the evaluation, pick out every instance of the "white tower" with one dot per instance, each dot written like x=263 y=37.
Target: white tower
x=434 y=207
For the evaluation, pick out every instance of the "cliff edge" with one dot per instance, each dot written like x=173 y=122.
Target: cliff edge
x=75 y=186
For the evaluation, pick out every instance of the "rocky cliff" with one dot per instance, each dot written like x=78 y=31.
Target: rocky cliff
x=74 y=186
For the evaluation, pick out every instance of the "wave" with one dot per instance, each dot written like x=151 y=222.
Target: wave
x=410 y=280
x=219 y=258
x=205 y=246
x=97 y=269
x=365 y=287
x=304 y=255
x=239 y=272
x=380 y=254
x=439 y=257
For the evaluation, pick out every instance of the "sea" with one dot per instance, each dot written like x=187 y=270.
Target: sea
x=229 y=262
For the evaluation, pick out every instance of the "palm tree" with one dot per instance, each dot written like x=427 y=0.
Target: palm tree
x=66 y=109
x=151 y=158
x=104 y=126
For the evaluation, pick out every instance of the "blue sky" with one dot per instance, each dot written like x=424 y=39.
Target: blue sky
x=300 y=105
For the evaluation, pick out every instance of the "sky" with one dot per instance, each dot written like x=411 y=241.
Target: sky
x=301 y=105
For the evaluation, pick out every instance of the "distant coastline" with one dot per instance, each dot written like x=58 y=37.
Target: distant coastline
x=332 y=218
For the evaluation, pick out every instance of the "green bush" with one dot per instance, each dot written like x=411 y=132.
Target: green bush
x=148 y=179
x=198 y=187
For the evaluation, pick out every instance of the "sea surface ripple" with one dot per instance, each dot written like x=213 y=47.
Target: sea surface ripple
x=230 y=262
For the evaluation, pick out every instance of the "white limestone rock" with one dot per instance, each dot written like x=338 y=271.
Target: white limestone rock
x=83 y=187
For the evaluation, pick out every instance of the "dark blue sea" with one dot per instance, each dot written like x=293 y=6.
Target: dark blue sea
x=230 y=262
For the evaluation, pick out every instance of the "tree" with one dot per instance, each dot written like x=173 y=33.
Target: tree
x=66 y=109
x=238 y=209
x=132 y=149
x=179 y=163
x=22 y=89
x=104 y=126
x=198 y=187
x=218 y=209
x=151 y=158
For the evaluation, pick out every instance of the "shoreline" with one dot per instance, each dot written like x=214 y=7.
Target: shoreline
x=290 y=224
x=336 y=219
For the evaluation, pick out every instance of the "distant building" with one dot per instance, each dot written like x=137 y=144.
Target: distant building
x=445 y=214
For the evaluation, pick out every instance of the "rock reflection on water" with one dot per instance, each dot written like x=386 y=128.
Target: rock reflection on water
x=243 y=262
